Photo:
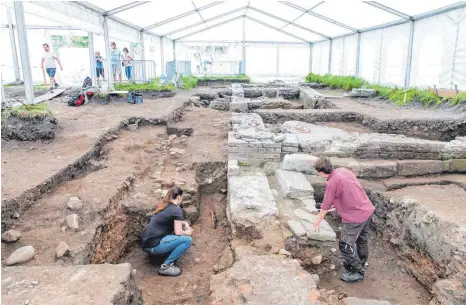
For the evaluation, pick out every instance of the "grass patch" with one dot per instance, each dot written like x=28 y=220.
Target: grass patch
x=225 y=78
x=396 y=95
x=144 y=87
x=42 y=86
x=403 y=97
x=336 y=82
x=27 y=111
x=459 y=99
x=189 y=81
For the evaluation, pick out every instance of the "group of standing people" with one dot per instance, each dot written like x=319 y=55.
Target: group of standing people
x=117 y=60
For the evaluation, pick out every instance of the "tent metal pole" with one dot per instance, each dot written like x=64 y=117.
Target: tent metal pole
x=410 y=55
x=162 y=60
x=143 y=56
x=244 y=46
x=358 y=53
x=24 y=51
x=92 y=61
x=13 y=46
x=330 y=56
x=109 y=57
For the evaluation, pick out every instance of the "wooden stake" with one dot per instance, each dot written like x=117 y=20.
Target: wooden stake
x=45 y=79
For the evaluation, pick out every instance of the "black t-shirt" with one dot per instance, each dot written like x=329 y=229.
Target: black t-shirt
x=160 y=225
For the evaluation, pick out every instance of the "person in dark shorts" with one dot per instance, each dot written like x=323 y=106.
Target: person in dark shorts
x=48 y=61
x=344 y=193
x=99 y=66
x=167 y=232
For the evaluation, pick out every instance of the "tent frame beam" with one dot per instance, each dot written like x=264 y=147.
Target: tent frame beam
x=124 y=8
x=150 y=27
x=315 y=6
x=299 y=8
x=389 y=10
x=203 y=22
x=289 y=22
x=210 y=27
x=247 y=41
x=275 y=28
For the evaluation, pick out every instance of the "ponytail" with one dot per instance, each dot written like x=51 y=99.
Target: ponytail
x=172 y=193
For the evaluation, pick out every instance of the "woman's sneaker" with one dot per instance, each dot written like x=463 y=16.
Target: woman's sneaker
x=56 y=85
x=169 y=270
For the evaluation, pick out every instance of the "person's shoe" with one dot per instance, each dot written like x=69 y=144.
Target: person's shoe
x=169 y=270
x=56 y=85
x=51 y=89
x=351 y=276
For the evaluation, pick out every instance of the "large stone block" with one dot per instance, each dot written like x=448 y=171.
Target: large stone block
x=458 y=166
x=378 y=169
x=250 y=201
x=264 y=279
x=71 y=285
x=294 y=185
x=348 y=163
x=421 y=167
x=324 y=233
x=300 y=163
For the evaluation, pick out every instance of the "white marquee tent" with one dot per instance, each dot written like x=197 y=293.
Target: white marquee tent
x=399 y=43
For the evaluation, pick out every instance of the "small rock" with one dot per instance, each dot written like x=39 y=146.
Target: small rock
x=333 y=250
x=178 y=169
x=332 y=267
x=316 y=260
x=279 y=138
x=180 y=151
x=216 y=268
x=284 y=252
x=274 y=250
x=35 y=283
x=223 y=191
x=133 y=272
x=26 y=302
x=197 y=260
x=195 y=287
x=74 y=204
x=16 y=215
x=63 y=229
x=11 y=236
x=167 y=183
x=132 y=127
x=72 y=221
x=62 y=250
x=21 y=255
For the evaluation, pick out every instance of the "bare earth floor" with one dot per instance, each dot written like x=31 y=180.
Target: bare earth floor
x=79 y=128
x=385 y=279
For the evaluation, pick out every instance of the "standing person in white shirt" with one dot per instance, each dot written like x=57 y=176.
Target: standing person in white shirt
x=48 y=59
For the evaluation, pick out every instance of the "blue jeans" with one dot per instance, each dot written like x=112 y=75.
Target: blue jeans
x=128 y=70
x=173 y=244
x=51 y=72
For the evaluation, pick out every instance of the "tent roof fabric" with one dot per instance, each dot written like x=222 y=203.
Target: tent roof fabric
x=289 y=21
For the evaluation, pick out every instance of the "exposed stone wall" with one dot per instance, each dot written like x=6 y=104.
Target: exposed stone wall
x=251 y=142
x=431 y=128
x=329 y=141
x=433 y=249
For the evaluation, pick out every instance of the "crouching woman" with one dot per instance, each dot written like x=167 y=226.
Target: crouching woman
x=167 y=233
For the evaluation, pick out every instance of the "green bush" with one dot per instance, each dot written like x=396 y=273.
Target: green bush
x=189 y=81
x=399 y=96
x=27 y=111
x=154 y=86
x=459 y=99
x=336 y=82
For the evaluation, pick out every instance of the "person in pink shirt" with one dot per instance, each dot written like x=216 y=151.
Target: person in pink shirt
x=345 y=194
